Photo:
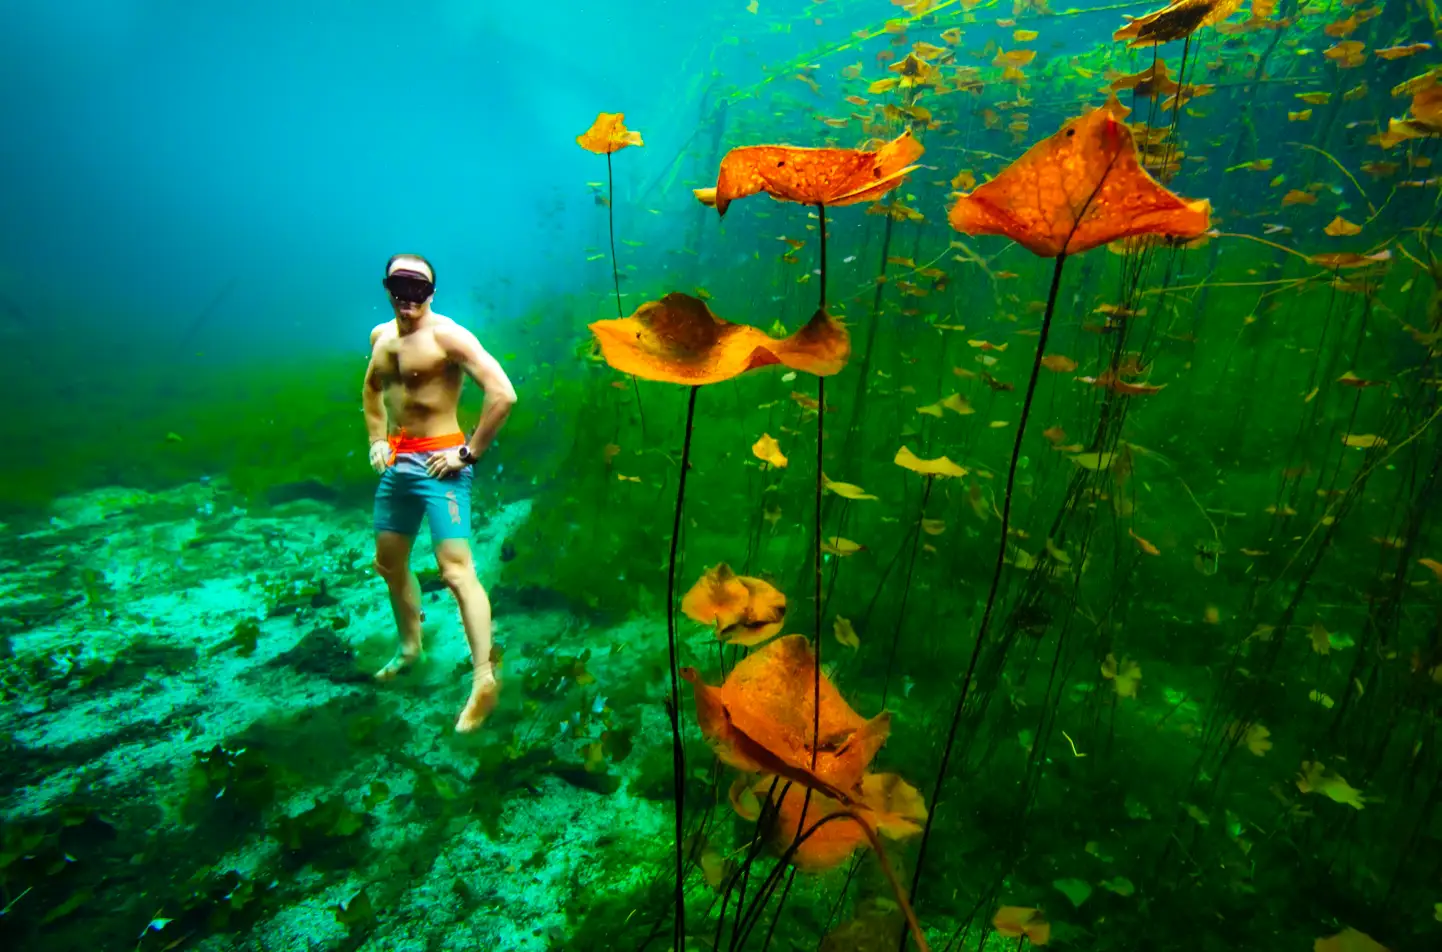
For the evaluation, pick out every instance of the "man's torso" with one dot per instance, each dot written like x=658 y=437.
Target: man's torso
x=421 y=386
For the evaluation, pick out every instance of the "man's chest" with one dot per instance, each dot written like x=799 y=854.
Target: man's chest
x=414 y=360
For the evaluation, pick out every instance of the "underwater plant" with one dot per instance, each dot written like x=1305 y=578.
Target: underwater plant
x=757 y=722
x=679 y=340
x=1081 y=188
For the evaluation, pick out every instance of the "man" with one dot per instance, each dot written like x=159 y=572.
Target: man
x=412 y=387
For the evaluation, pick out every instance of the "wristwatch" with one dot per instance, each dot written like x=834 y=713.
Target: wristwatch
x=466 y=455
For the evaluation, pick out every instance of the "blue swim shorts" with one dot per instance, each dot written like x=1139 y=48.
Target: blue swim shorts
x=407 y=493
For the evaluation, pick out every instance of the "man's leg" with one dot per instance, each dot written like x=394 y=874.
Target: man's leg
x=393 y=557
x=458 y=571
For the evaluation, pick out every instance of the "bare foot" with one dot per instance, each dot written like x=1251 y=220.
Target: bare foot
x=399 y=665
x=485 y=691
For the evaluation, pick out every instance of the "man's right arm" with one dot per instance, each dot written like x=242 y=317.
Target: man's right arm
x=373 y=393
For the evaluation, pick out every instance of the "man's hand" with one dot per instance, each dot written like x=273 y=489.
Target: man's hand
x=445 y=463
x=380 y=455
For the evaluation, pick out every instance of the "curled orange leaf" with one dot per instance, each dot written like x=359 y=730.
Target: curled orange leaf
x=761 y=721
x=743 y=610
x=678 y=340
x=1178 y=19
x=608 y=134
x=892 y=806
x=812 y=176
x=1078 y=189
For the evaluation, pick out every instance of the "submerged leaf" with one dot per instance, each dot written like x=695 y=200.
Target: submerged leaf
x=941 y=466
x=608 y=134
x=813 y=176
x=769 y=451
x=678 y=340
x=1014 y=922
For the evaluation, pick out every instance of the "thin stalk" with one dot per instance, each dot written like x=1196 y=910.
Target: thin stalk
x=905 y=592
x=678 y=755
x=611 y=227
x=996 y=574
x=616 y=279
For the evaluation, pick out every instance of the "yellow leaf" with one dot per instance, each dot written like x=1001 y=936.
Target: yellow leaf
x=1124 y=677
x=933 y=526
x=956 y=403
x=1350 y=940
x=1363 y=441
x=1342 y=228
x=840 y=547
x=1256 y=739
x=941 y=466
x=1321 y=642
x=1315 y=778
x=1094 y=461
x=845 y=490
x=845 y=633
x=769 y=451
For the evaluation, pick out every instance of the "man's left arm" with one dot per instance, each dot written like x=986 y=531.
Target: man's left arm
x=466 y=352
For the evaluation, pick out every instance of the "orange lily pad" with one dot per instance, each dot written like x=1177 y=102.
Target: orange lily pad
x=678 y=340
x=1176 y=20
x=1078 y=189
x=761 y=721
x=812 y=176
x=744 y=610
x=608 y=134
x=892 y=806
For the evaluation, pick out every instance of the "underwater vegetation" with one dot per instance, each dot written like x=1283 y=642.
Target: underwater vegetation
x=991 y=503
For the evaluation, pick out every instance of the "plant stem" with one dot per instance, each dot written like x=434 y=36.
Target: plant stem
x=995 y=578
x=611 y=227
x=678 y=755
x=816 y=575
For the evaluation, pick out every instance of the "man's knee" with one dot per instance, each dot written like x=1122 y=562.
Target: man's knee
x=456 y=567
x=393 y=558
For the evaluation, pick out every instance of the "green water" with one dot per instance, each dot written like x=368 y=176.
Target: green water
x=1160 y=643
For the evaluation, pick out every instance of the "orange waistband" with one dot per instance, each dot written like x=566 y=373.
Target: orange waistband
x=400 y=443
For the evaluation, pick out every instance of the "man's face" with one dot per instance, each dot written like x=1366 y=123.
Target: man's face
x=410 y=285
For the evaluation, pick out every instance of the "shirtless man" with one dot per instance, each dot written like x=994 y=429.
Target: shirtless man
x=412 y=387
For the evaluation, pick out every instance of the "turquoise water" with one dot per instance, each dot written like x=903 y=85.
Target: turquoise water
x=1114 y=560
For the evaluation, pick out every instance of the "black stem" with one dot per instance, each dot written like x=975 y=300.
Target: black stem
x=611 y=226
x=905 y=591
x=678 y=755
x=816 y=575
x=995 y=578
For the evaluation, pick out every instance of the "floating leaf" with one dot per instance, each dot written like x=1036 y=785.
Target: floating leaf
x=840 y=547
x=845 y=633
x=827 y=177
x=1078 y=189
x=941 y=466
x=1340 y=227
x=743 y=610
x=1077 y=890
x=1119 y=885
x=1125 y=677
x=769 y=451
x=678 y=340
x=845 y=490
x=1014 y=922
x=1094 y=461
x=608 y=134
x=1315 y=778
x=1179 y=19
